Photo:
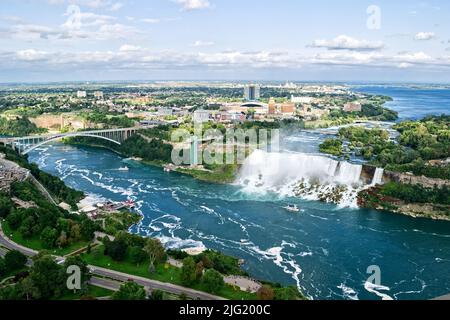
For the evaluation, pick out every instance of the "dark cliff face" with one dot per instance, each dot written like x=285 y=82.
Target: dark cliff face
x=367 y=174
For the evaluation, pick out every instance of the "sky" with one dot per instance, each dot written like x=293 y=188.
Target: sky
x=282 y=40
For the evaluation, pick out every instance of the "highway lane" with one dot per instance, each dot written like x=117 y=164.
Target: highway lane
x=118 y=276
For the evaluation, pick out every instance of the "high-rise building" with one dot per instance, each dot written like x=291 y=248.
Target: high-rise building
x=252 y=92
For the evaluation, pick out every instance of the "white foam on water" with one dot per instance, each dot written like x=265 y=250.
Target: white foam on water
x=348 y=292
x=305 y=254
x=288 y=265
x=375 y=289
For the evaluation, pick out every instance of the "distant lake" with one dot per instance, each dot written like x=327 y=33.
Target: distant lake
x=410 y=102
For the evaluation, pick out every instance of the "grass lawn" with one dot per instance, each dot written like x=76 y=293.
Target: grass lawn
x=164 y=273
x=35 y=243
x=93 y=291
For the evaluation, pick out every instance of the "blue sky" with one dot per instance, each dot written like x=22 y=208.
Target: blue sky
x=68 y=40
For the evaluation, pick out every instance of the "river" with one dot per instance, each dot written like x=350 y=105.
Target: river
x=324 y=250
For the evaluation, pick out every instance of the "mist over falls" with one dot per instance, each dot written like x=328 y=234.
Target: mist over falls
x=311 y=177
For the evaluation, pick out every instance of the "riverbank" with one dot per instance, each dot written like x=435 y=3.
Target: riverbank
x=379 y=199
x=222 y=174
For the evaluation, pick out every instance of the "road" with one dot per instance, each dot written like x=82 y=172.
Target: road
x=115 y=275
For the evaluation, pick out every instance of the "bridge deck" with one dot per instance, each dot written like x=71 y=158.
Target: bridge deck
x=43 y=136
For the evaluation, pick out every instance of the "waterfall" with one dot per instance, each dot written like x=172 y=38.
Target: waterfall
x=298 y=174
x=378 y=177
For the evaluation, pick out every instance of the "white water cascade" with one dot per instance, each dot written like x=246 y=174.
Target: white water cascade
x=297 y=174
x=378 y=177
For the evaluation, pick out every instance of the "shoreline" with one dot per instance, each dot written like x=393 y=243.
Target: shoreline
x=191 y=172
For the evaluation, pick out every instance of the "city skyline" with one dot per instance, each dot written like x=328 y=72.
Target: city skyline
x=108 y=40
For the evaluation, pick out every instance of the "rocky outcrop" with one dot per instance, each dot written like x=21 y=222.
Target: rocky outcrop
x=372 y=198
x=405 y=178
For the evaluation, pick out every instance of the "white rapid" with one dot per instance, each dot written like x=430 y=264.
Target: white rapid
x=297 y=174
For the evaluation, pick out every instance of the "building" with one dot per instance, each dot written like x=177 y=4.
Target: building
x=307 y=100
x=201 y=116
x=352 y=107
x=164 y=112
x=237 y=116
x=222 y=116
x=81 y=94
x=252 y=92
x=98 y=95
x=272 y=106
x=287 y=108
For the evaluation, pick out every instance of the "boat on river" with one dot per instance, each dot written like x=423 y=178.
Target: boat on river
x=292 y=208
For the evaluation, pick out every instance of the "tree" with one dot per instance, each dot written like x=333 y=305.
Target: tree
x=213 y=281
x=156 y=252
x=157 y=295
x=29 y=290
x=14 y=219
x=48 y=237
x=288 y=293
x=27 y=227
x=130 y=291
x=15 y=260
x=11 y=293
x=5 y=206
x=188 y=271
x=265 y=293
x=87 y=229
x=75 y=232
x=199 y=268
x=62 y=240
x=47 y=277
x=116 y=249
x=137 y=255
x=2 y=267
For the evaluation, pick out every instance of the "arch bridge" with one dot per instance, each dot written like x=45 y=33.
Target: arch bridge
x=27 y=144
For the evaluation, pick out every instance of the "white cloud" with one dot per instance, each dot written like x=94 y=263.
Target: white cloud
x=78 y=25
x=344 y=42
x=423 y=36
x=93 y=4
x=116 y=6
x=404 y=65
x=129 y=48
x=151 y=20
x=31 y=55
x=203 y=43
x=132 y=57
x=193 y=4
